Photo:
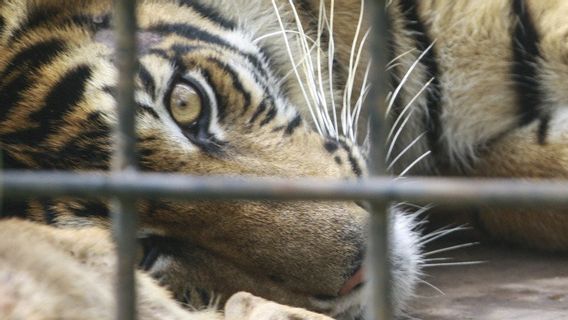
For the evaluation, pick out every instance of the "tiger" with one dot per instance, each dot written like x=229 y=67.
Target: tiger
x=476 y=92
x=214 y=96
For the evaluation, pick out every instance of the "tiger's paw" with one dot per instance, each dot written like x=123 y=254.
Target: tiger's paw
x=245 y=306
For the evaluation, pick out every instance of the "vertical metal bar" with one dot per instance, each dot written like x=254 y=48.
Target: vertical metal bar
x=124 y=160
x=377 y=105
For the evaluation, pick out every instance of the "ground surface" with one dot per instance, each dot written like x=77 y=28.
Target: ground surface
x=512 y=284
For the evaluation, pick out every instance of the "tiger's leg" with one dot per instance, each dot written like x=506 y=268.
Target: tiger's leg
x=521 y=154
x=245 y=306
x=53 y=273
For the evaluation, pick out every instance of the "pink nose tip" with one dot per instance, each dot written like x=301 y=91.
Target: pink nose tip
x=352 y=282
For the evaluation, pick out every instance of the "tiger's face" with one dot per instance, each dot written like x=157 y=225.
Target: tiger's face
x=209 y=102
x=217 y=109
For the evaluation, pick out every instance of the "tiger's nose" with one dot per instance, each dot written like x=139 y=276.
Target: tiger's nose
x=353 y=282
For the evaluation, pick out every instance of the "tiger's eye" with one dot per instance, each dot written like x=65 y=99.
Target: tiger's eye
x=185 y=105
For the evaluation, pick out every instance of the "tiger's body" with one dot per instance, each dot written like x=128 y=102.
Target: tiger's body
x=494 y=107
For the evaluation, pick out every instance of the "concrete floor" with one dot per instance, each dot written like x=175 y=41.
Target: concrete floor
x=512 y=284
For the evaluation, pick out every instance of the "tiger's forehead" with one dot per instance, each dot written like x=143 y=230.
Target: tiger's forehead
x=188 y=20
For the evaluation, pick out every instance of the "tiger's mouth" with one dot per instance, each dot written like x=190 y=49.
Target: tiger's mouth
x=158 y=254
x=349 y=306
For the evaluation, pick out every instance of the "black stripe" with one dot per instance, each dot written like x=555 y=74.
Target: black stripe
x=295 y=123
x=64 y=95
x=14 y=209
x=88 y=150
x=94 y=23
x=235 y=81
x=144 y=152
x=543 y=128
x=147 y=81
x=111 y=90
x=194 y=33
x=221 y=101
x=27 y=62
x=36 y=18
x=33 y=57
x=2 y=25
x=49 y=214
x=9 y=162
x=422 y=41
x=269 y=116
x=11 y=93
x=209 y=13
x=355 y=167
x=92 y=208
x=146 y=109
x=204 y=296
x=159 y=53
x=181 y=49
x=331 y=146
x=524 y=70
x=150 y=256
x=259 y=110
x=60 y=100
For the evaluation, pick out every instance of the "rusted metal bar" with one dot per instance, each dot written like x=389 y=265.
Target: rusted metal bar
x=454 y=192
x=379 y=247
x=124 y=160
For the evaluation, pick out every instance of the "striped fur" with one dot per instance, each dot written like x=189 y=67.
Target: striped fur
x=496 y=106
x=57 y=93
x=478 y=91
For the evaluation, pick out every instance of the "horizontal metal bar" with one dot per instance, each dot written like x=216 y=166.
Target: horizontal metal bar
x=445 y=191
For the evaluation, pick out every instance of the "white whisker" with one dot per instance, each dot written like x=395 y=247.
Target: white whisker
x=432 y=286
x=398 y=132
x=394 y=66
x=357 y=111
x=461 y=246
x=308 y=71
x=330 y=58
x=346 y=109
x=403 y=152
x=291 y=56
x=425 y=241
x=437 y=259
x=289 y=73
x=361 y=100
x=453 y=264
x=441 y=230
x=351 y=81
x=406 y=77
x=277 y=33
x=409 y=105
x=415 y=162
x=399 y=57
x=333 y=125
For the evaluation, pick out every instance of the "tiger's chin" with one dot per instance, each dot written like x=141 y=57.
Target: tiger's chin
x=347 y=307
x=200 y=278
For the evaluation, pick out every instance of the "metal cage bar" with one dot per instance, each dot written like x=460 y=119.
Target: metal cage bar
x=452 y=192
x=124 y=161
x=376 y=103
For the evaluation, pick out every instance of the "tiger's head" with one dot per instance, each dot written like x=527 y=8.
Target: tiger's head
x=213 y=98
